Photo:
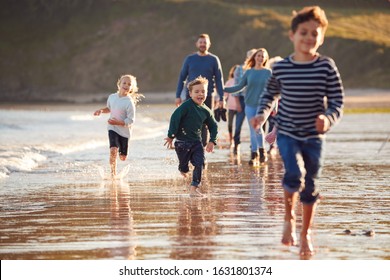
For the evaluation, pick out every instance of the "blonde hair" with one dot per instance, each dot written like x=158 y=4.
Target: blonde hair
x=198 y=81
x=250 y=62
x=133 y=89
x=250 y=52
x=274 y=59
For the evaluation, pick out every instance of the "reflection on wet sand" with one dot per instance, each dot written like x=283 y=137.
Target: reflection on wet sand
x=121 y=220
x=72 y=222
x=149 y=220
x=196 y=229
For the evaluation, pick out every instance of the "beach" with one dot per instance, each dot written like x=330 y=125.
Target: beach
x=56 y=205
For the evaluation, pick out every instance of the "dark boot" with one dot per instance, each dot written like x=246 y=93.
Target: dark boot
x=263 y=155
x=217 y=115
x=254 y=158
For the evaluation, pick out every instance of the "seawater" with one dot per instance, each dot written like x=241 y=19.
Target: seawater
x=75 y=143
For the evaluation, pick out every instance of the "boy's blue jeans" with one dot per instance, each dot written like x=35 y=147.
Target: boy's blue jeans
x=188 y=151
x=311 y=151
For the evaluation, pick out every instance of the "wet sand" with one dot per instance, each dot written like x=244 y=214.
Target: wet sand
x=239 y=218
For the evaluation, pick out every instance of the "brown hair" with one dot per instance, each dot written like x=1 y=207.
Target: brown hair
x=307 y=14
x=250 y=62
x=204 y=35
x=198 y=81
x=231 y=71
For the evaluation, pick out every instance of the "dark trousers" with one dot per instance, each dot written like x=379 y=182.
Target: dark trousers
x=188 y=151
x=240 y=117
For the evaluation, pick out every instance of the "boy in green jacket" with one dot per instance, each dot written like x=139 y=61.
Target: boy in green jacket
x=186 y=126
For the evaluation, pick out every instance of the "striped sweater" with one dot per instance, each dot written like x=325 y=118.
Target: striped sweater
x=306 y=89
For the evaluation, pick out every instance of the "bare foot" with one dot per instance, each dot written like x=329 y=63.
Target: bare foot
x=194 y=192
x=184 y=174
x=289 y=236
x=306 y=246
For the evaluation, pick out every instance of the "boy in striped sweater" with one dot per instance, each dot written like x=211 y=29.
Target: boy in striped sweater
x=312 y=94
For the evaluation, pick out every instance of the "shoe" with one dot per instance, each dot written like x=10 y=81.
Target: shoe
x=254 y=157
x=263 y=155
x=217 y=115
x=222 y=113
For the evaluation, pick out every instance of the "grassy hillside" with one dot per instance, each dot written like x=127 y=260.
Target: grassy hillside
x=54 y=48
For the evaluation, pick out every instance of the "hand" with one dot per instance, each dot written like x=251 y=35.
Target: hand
x=322 y=124
x=178 y=102
x=114 y=121
x=257 y=121
x=168 y=143
x=221 y=104
x=210 y=147
x=97 y=113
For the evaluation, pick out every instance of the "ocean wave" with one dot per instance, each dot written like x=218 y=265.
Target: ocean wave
x=30 y=138
x=82 y=117
x=12 y=161
x=69 y=148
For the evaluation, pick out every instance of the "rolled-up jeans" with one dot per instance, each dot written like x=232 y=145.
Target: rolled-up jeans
x=311 y=151
x=190 y=151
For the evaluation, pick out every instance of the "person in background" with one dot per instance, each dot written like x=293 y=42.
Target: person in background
x=270 y=136
x=231 y=104
x=205 y=64
x=254 y=80
x=240 y=100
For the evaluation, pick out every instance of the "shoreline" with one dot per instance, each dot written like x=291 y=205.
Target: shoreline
x=370 y=99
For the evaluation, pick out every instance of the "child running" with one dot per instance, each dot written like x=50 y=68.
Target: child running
x=121 y=106
x=311 y=103
x=186 y=126
x=231 y=104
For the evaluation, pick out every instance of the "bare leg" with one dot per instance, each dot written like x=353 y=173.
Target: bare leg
x=122 y=157
x=194 y=191
x=113 y=155
x=231 y=139
x=307 y=222
x=289 y=236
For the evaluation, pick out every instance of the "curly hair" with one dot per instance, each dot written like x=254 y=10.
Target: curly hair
x=198 y=81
